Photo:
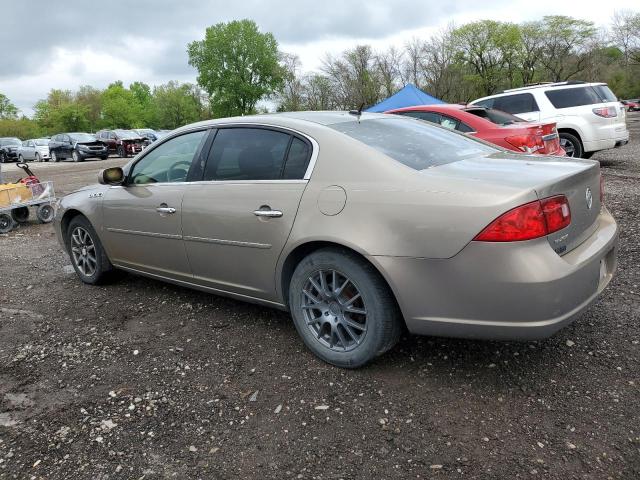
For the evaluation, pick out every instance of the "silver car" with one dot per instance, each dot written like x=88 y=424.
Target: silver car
x=360 y=226
x=36 y=149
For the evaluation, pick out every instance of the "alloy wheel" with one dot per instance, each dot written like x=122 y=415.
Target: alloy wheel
x=568 y=146
x=83 y=251
x=334 y=310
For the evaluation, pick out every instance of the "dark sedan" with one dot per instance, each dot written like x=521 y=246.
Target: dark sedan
x=77 y=147
x=9 y=149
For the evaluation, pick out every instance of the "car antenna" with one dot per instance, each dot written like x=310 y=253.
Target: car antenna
x=357 y=112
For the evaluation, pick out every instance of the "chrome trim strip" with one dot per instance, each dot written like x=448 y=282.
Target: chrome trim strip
x=212 y=182
x=234 y=243
x=144 y=234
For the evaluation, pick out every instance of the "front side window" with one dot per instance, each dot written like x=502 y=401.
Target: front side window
x=518 y=103
x=415 y=144
x=247 y=154
x=169 y=162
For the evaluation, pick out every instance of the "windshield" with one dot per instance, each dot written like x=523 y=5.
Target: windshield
x=41 y=142
x=126 y=134
x=495 y=116
x=414 y=143
x=82 y=137
x=10 y=141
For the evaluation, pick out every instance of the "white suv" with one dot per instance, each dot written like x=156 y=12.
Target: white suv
x=589 y=117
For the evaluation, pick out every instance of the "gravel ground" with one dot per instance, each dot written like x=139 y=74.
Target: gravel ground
x=143 y=380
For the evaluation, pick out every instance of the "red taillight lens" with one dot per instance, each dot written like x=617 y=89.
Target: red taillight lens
x=526 y=143
x=606 y=112
x=529 y=221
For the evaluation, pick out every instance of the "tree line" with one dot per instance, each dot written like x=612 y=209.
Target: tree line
x=238 y=66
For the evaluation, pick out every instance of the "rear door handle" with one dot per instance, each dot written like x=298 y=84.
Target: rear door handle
x=267 y=213
x=163 y=208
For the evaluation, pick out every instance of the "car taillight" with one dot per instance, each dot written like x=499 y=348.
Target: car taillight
x=526 y=143
x=531 y=220
x=606 y=112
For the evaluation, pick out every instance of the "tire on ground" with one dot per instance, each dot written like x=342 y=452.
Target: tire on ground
x=383 y=320
x=104 y=269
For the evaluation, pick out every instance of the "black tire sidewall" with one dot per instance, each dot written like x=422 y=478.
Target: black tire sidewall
x=11 y=223
x=368 y=283
x=17 y=217
x=576 y=143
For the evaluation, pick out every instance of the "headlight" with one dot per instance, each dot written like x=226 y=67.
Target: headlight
x=83 y=147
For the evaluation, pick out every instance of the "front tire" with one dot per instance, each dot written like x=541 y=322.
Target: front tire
x=76 y=158
x=88 y=257
x=571 y=145
x=20 y=159
x=3 y=157
x=38 y=158
x=54 y=157
x=342 y=308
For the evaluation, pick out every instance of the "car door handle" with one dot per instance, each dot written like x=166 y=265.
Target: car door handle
x=267 y=213
x=164 y=209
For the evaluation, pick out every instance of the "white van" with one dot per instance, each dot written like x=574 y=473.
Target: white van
x=588 y=115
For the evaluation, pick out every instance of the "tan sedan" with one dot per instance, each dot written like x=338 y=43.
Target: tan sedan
x=361 y=226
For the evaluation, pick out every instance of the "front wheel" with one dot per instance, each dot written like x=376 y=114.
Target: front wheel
x=88 y=257
x=38 y=158
x=76 y=157
x=571 y=145
x=3 y=157
x=54 y=157
x=342 y=308
x=45 y=213
x=20 y=159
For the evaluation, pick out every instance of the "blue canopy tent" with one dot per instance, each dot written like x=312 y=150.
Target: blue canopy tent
x=409 y=96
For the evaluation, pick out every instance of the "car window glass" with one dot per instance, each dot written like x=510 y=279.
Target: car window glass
x=573 y=97
x=247 y=154
x=519 y=103
x=297 y=160
x=415 y=144
x=488 y=103
x=448 y=122
x=427 y=116
x=169 y=162
x=464 y=128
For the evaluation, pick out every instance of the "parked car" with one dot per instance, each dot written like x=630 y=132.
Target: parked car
x=588 y=116
x=499 y=128
x=9 y=149
x=36 y=149
x=356 y=224
x=123 y=143
x=149 y=134
x=631 y=105
x=76 y=146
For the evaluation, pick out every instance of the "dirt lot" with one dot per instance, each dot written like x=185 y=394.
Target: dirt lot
x=145 y=380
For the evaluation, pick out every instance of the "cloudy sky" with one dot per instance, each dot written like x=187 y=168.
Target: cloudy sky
x=68 y=43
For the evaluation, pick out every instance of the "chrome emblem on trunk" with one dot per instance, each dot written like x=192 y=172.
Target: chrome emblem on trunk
x=589 y=198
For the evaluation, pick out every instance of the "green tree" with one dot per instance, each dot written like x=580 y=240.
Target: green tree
x=120 y=108
x=91 y=99
x=237 y=66
x=177 y=104
x=147 y=114
x=7 y=109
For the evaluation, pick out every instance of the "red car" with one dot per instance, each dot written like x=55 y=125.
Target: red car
x=495 y=126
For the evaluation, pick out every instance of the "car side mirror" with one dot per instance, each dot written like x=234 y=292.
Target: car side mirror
x=111 y=176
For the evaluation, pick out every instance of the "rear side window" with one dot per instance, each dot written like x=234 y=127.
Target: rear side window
x=415 y=144
x=297 y=160
x=247 y=154
x=427 y=116
x=495 y=116
x=605 y=93
x=519 y=103
x=574 y=97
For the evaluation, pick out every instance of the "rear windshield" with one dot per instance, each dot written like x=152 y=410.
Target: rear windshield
x=10 y=141
x=576 y=97
x=414 y=143
x=495 y=116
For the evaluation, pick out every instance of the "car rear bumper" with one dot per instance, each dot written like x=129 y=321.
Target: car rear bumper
x=618 y=137
x=503 y=291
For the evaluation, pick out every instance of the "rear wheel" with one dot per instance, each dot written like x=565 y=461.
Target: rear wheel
x=342 y=308
x=20 y=158
x=38 y=158
x=20 y=214
x=6 y=223
x=45 y=213
x=3 y=157
x=571 y=144
x=121 y=152
x=88 y=257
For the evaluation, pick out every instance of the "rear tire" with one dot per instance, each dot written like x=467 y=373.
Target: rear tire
x=20 y=159
x=20 y=214
x=38 y=158
x=3 y=158
x=353 y=318
x=571 y=145
x=87 y=255
x=45 y=213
